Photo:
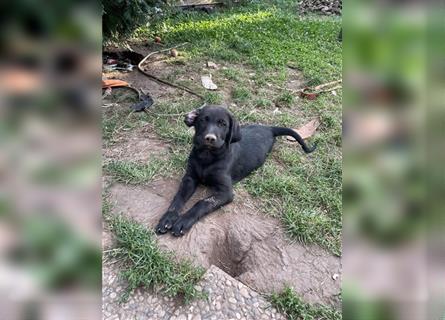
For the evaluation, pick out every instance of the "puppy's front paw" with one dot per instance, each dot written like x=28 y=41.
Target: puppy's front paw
x=166 y=222
x=182 y=225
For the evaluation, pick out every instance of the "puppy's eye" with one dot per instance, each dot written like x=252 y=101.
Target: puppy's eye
x=222 y=123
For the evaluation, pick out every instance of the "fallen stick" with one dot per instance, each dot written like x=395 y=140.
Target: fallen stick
x=184 y=88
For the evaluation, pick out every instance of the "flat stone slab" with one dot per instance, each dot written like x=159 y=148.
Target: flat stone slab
x=227 y=298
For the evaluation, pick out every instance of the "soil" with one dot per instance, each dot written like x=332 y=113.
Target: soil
x=138 y=145
x=240 y=240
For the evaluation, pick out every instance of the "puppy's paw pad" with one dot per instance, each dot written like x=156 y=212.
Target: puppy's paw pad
x=165 y=224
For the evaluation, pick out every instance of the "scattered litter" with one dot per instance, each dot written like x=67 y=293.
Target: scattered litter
x=212 y=65
x=335 y=276
x=277 y=111
x=125 y=67
x=306 y=94
x=208 y=83
x=112 y=83
x=307 y=130
x=334 y=92
x=107 y=92
x=121 y=57
x=111 y=61
x=145 y=103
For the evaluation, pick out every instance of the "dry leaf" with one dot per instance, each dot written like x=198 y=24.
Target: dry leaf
x=307 y=130
x=208 y=83
x=107 y=83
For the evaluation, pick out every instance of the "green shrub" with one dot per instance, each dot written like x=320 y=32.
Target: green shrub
x=121 y=17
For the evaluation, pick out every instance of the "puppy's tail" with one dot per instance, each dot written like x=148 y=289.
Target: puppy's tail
x=280 y=131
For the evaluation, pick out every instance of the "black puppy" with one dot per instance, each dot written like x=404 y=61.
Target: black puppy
x=222 y=154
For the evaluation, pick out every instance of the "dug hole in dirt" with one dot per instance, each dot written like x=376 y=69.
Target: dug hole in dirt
x=246 y=244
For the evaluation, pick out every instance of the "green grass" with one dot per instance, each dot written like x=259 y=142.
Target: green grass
x=241 y=94
x=231 y=74
x=213 y=97
x=259 y=36
x=145 y=265
x=136 y=173
x=295 y=309
x=285 y=99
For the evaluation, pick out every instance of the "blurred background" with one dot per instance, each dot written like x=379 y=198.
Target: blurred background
x=393 y=125
x=50 y=190
x=50 y=187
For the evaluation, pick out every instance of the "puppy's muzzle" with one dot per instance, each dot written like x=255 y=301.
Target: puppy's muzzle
x=210 y=139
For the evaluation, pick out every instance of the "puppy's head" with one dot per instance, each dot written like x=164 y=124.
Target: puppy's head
x=214 y=127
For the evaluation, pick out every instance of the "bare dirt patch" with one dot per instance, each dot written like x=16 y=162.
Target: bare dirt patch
x=240 y=240
x=137 y=145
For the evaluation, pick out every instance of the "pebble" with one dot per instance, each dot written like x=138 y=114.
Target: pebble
x=230 y=299
x=245 y=293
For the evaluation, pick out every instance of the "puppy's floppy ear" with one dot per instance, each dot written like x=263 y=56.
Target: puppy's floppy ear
x=191 y=117
x=235 y=131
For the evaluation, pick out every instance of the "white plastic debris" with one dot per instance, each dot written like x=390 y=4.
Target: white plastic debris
x=208 y=83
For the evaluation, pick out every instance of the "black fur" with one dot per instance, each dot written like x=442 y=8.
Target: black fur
x=219 y=163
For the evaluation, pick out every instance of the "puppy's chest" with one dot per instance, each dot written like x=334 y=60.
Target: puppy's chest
x=206 y=174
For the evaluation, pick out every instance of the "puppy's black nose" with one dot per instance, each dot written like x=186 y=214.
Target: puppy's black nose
x=210 y=138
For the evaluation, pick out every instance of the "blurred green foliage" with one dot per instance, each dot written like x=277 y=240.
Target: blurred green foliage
x=121 y=17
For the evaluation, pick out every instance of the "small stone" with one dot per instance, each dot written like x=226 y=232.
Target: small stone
x=232 y=300
x=335 y=276
x=244 y=293
x=237 y=315
x=198 y=288
x=189 y=317
x=177 y=313
x=218 y=306
x=228 y=283
x=113 y=295
x=212 y=65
